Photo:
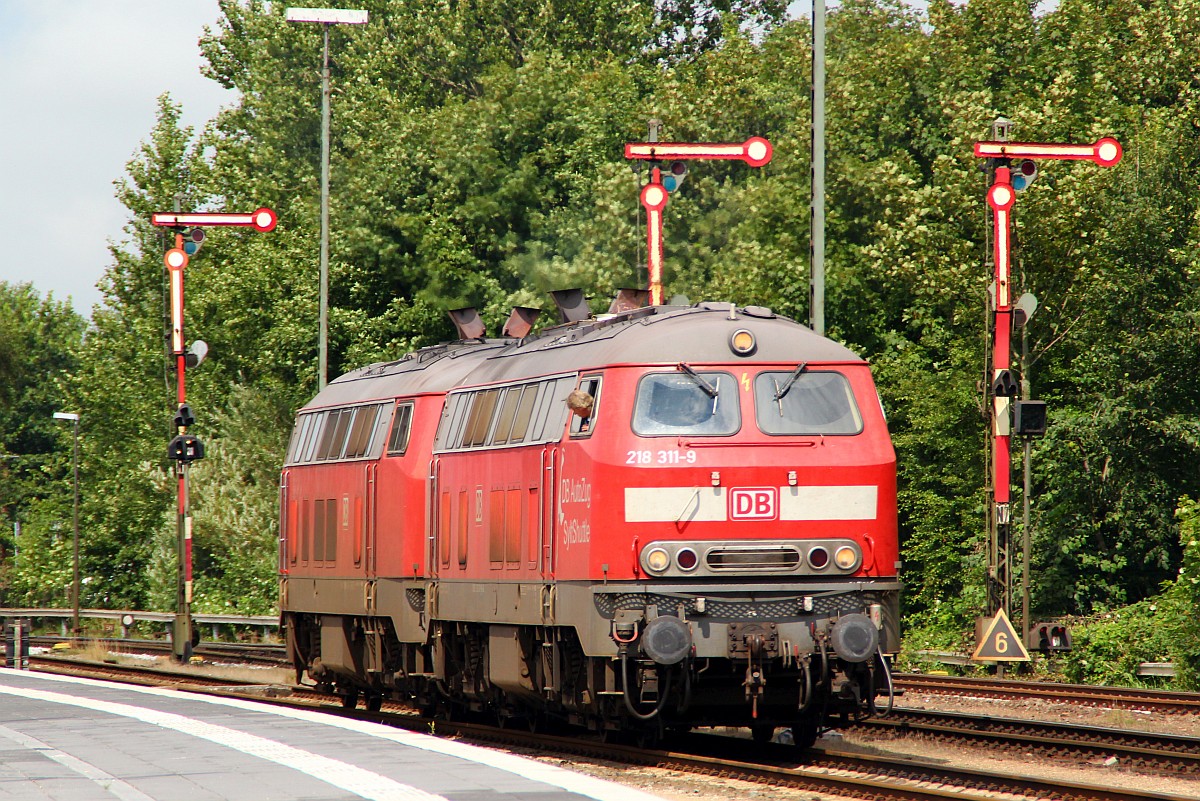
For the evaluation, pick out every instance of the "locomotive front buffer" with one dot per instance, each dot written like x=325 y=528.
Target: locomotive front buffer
x=795 y=660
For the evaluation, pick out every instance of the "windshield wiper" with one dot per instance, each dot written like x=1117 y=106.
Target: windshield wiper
x=799 y=371
x=708 y=388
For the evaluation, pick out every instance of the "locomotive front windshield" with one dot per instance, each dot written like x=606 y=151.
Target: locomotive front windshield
x=697 y=404
x=805 y=402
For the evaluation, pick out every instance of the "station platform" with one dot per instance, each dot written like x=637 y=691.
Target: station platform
x=69 y=739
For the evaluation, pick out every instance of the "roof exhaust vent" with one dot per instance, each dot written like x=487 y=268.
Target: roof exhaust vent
x=468 y=323
x=521 y=321
x=572 y=305
x=628 y=300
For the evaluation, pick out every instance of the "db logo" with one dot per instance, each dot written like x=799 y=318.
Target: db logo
x=753 y=503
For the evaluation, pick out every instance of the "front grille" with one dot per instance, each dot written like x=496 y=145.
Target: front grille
x=765 y=608
x=747 y=559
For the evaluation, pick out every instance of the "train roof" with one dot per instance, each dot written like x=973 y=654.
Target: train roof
x=698 y=334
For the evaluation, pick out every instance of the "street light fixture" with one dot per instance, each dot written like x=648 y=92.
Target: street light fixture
x=74 y=418
x=326 y=17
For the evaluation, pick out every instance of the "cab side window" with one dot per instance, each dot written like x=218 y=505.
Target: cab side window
x=584 y=403
x=398 y=441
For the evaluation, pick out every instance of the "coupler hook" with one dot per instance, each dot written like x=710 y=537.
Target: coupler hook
x=755 y=680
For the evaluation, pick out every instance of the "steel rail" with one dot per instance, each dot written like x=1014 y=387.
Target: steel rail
x=1170 y=753
x=1083 y=694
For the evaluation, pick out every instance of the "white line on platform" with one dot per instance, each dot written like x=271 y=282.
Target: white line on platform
x=121 y=789
x=587 y=786
x=352 y=779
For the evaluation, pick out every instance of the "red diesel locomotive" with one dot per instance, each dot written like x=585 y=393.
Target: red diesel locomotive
x=705 y=535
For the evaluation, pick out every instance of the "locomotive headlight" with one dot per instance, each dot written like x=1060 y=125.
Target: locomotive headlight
x=846 y=557
x=686 y=559
x=818 y=558
x=658 y=560
x=742 y=342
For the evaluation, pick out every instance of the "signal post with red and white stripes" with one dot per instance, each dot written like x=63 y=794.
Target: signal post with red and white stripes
x=1001 y=195
x=185 y=448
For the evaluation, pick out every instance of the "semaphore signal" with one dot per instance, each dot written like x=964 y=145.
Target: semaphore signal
x=185 y=448
x=1001 y=196
x=755 y=151
x=260 y=219
x=1106 y=152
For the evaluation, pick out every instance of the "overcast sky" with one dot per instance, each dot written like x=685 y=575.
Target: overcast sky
x=80 y=81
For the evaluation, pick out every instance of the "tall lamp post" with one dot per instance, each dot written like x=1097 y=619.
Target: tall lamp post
x=817 y=211
x=74 y=418
x=327 y=17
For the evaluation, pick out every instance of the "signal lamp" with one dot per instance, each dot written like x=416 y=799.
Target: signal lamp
x=185 y=448
x=742 y=342
x=1024 y=173
x=1004 y=385
x=193 y=241
x=818 y=558
x=675 y=175
x=658 y=560
x=1047 y=637
x=845 y=557
x=686 y=559
x=183 y=416
x=1029 y=418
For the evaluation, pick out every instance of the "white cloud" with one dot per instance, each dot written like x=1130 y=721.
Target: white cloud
x=81 y=80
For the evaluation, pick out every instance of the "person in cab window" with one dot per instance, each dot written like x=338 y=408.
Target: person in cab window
x=581 y=403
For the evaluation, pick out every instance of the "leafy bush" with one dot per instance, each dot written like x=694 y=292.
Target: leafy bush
x=1182 y=600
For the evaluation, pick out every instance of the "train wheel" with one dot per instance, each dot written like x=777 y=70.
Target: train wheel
x=805 y=732
x=762 y=734
x=374 y=703
x=350 y=699
x=648 y=738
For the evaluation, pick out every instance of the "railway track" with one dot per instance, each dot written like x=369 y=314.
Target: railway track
x=1162 y=753
x=827 y=769
x=257 y=654
x=1082 y=694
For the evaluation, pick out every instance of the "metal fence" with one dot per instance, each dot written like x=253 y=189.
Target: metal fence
x=127 y=619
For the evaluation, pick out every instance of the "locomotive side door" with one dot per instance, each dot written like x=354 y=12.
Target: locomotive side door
x=287 y=525
x=437 y=513
x=391 y=493
x=369 y=520
x=546 y=511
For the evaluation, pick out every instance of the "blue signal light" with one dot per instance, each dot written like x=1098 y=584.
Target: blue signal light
x=674 y=176
x=1024 y=173
x=193 y=240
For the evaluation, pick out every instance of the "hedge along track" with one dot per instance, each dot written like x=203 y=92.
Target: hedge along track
x=825 y=770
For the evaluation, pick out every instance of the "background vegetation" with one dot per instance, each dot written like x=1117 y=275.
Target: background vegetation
x=477 y=160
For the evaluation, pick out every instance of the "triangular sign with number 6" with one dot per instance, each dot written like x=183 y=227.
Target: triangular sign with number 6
x=1000 y=642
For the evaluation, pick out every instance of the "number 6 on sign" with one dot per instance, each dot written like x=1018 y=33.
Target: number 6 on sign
x=996 y=644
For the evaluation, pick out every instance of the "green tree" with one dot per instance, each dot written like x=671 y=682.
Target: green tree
x=39 y=342
x=124 y=381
